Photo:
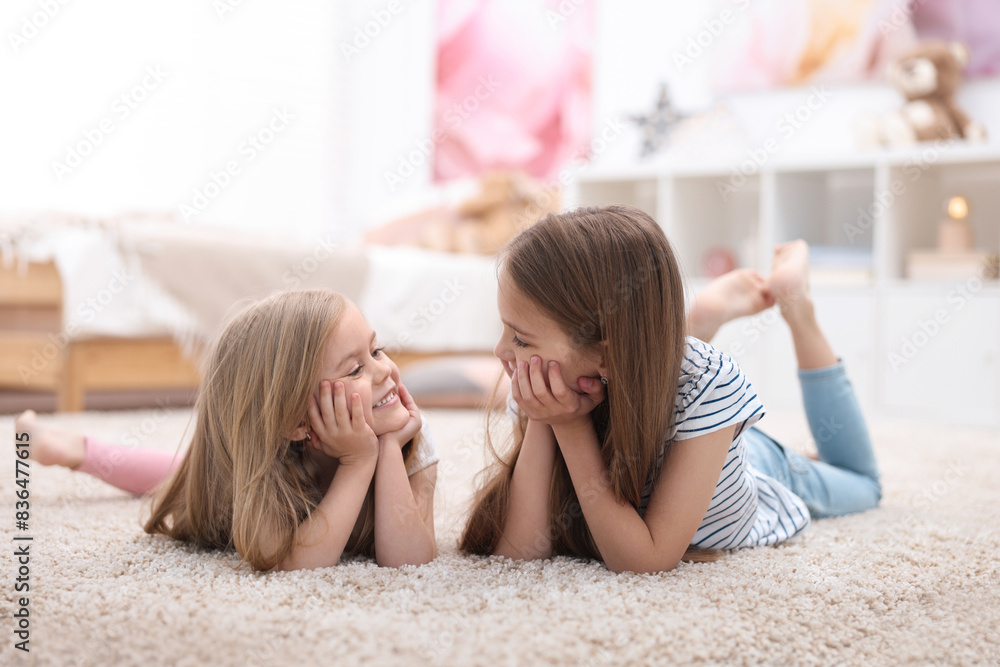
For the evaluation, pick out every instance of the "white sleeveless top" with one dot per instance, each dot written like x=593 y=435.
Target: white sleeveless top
x=426 y=454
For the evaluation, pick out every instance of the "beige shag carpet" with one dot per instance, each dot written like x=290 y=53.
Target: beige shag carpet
x=916 y=581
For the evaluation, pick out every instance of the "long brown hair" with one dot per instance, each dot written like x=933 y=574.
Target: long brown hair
x=602 y=274
x=243 y=483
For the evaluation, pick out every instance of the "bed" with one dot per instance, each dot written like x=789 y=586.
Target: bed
x=130 y=303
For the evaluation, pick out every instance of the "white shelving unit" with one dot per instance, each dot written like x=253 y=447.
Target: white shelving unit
x=924 y=350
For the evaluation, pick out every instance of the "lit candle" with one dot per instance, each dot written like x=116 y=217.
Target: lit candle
x=955 y=232
x=958 y=208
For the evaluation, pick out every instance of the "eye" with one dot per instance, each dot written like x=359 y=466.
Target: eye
x=377 y=352
x=517 y=341
x=356 y=372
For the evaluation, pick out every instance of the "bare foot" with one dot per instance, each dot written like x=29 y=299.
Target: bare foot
x=51 y=446
x=739 y=293
x=789 y=279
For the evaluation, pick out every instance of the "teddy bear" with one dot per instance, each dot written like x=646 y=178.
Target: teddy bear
x=928 y=77
x=506 y=203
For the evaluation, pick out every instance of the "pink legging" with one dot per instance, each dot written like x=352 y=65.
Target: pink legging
x=131 y=469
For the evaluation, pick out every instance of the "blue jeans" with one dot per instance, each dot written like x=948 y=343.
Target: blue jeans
x=846 y=479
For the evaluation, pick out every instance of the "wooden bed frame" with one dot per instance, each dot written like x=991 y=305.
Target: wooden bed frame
x=38 y=358
x=35 y=357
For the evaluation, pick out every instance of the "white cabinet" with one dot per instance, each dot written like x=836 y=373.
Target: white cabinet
x=863 y=218
x=938 y=354
x=848 y=317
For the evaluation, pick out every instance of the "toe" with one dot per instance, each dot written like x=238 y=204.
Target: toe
x=25 y=420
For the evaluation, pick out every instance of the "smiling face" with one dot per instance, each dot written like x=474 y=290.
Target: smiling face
x=351 y=356
x=527 y=332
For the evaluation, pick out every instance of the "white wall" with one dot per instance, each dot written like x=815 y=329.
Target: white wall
x=356 y=114
x=388 y=91
x=224 y=71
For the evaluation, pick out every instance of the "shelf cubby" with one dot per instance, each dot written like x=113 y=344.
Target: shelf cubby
x=824 y=207
x=639 y=192
x=921 y=192
x=832 y=210
x=703 y=218
x=863 y=216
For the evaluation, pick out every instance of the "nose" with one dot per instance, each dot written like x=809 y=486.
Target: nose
x=502 y=351
x=384 y=366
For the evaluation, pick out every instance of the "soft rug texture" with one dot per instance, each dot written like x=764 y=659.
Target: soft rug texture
x=915 y=581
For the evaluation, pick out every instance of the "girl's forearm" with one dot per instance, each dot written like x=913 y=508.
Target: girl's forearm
x=322 y=537
x=527 y=533
x=401 y=536
x=622 y=537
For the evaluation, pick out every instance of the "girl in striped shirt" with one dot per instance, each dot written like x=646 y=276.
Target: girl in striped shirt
x=633 y=441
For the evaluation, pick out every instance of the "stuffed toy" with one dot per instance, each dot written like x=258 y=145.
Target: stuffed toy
x=507 y=202
x=928 y=77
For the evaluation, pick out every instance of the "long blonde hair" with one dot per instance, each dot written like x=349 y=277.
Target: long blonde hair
x=602 y=274
x=243 y=482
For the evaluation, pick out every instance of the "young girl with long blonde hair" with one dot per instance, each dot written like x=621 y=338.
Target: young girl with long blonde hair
x=306 y=446
x=634 y=443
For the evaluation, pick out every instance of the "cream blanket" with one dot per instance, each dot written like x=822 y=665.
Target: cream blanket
x=140 y=276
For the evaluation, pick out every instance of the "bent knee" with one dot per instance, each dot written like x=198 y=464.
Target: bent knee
x=861 y=498
x=878 y=494
x=867 y=498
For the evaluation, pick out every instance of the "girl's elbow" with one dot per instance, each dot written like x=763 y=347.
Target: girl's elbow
x=427 y=557
x=642 y=568
x=289 y=565
x=402 y=562
x=508 y=550
x=284 y=565
x=399 y=560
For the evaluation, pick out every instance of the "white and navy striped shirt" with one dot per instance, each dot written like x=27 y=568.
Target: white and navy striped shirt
x=748 y=508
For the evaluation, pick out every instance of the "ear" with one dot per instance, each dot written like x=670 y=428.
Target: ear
x=299 y=432
x=960 y=52
x=602 y=358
